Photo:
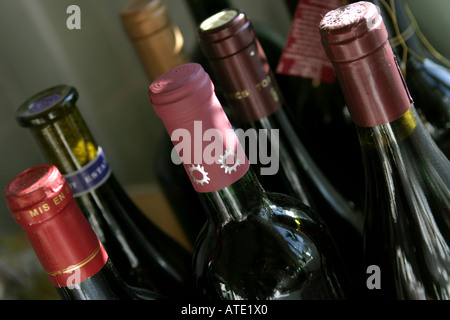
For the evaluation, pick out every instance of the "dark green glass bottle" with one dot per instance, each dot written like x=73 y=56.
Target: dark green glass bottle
x=407 y=227
x=260 y=245
x=144 y=255
x=407 y=231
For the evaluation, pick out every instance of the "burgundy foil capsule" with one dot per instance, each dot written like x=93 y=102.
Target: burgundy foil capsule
x=41 y=202
x=185 y=101
x=356 y=42
x=229 y=42
x=226 y=33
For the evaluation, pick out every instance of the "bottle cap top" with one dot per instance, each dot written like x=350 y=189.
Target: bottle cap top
x=185 y=101
x=225 y=33
x=182 y=92
x=46 y=105
x=141 y=18
x=31 y=189
x=356 y=42
x=352 y=32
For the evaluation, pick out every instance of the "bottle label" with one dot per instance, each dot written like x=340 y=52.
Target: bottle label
x=90 y=176
x=303 y=55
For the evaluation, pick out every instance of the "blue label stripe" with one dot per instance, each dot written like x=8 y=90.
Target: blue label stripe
x=90 y=176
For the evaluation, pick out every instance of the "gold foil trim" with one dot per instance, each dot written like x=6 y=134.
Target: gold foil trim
x=78 y=265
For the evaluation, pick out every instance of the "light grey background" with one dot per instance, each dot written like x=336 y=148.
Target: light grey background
x=38 y=51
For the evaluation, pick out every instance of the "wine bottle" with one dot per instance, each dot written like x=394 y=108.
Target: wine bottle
x=319 y=113
x=256 y=103
x=41 y=201
x=144 y=255
x=270 y=39
x=256 y=245
x=426 y=72
x=407 y=230
x=147 y=22
x=159 y=45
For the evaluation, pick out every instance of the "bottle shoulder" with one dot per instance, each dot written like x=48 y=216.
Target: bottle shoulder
x=407 y=209
x=106 y=285
x=412 y=168
x=267 y=255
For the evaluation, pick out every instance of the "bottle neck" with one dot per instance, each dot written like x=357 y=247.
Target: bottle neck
x=62 y=238
x=280 y=154
x=106 y=284
x=235 y=202
x=374 y=96
x=68 y=144
x=247 y=82
x=66 y=141
x=398 y=144
x=158 y=42
x=389 y=133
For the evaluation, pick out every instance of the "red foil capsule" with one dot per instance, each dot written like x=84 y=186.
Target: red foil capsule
x=41 y=202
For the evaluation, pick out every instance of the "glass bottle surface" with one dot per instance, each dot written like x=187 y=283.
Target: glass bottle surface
x=144 y=255
x=256 y=103
x=106 y=285
x=319 y=114
x=254 y=246
x=265 y=246
x=408 y=205
x=41 y=201
x=159 y=44
x=426 y=72
x=407 y=227
x=270 y=39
